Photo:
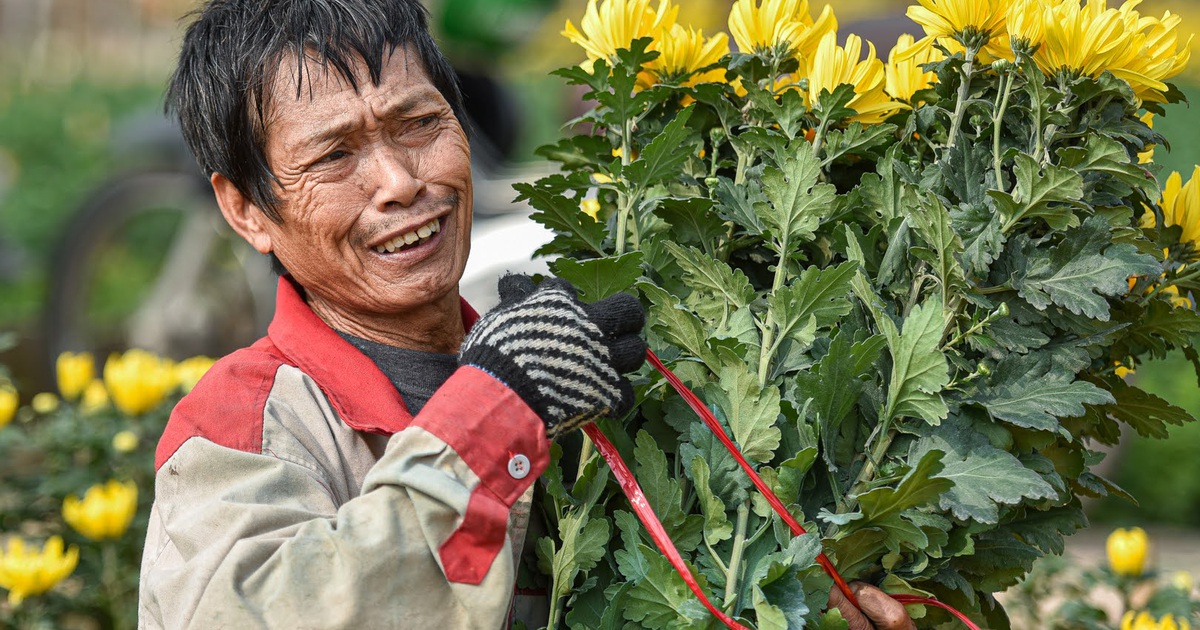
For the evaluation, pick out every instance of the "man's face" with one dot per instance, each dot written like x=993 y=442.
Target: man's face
x=376 y=189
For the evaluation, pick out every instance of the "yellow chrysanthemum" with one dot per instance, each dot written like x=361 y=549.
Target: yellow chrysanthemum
x=74 y=371
x=44 y=403
x=683 y=52
x=26 y=572
x=1090 y=39
x=832 y=65
x=1024 y=30
x=138 y=381
x=783 y=28
x=105 y=511
x=125 y=442
x=965 y=21
x=614 y=24
x=905 y=76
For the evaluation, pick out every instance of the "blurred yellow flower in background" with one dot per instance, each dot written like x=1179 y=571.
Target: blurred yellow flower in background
x=75 y=371
x=1147 y=155
x=1144 y=621
x=189 y=371
x=125 y=442
x=1126 y=549
x=1024 y=29
x=834 y=65
x=26 y=572
x=684 y=51
x=138 y=381
x=94 y=399
x=44 y=403
x=783 y=28
x=904 y=74
x=105 y=511
x=1182 y=580
x=614 y=24
x=9 y=401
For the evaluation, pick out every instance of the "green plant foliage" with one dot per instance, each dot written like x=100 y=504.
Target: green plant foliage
x=911 y=329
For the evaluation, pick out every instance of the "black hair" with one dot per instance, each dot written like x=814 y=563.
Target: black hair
x=233 y=49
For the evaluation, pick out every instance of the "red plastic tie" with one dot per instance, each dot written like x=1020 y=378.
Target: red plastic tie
x=642 y=508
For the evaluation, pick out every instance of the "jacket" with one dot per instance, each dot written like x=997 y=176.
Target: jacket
x=294 y=490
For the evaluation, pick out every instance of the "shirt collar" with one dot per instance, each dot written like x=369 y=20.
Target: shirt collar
x=361 y=394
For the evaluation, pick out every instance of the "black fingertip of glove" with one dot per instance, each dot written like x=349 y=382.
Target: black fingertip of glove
x=617 y=314
x=628 y=353
x=514 y=286
x=627 y=398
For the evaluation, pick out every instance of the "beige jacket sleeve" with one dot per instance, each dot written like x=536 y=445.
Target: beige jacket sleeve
x=281 y=538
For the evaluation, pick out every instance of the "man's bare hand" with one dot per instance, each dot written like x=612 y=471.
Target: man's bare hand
x=879 y=611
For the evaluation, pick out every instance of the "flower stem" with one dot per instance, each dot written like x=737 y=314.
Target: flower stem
x=996 y=124
x=110 y=583
x=735 y=558
x=964 y=92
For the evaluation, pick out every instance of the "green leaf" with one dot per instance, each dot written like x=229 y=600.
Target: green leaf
x=738 y=204
x=883 y=507
x=717 y=288
x=692 y=221
x=982 y=239
x=751 y=410
x=575 y=229
x=677 y=325
x=787 y=109
x=598 y=278
x=1047 y=195
x=820 y=294
x=835 y=383
x=716 y=522
x=1031 y=391
x=1145 y=412
x=1106 y=158
x=984 y=477
x=832 y=107
x=664 y=494
x=857 y=139
x=769 y=617
x=919 y=369
x=662 y=156
x=1079 y=272
x=726 y=478
x=584 y=541
x=998 y=561
x=661 y=599
x=797 y=203
x=1045 y=529
x=943 y=246
x=883 y=193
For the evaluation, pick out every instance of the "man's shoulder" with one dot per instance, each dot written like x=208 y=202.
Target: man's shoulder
x=226 y=406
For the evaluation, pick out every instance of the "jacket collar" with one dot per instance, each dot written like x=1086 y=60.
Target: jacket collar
x=359 y=391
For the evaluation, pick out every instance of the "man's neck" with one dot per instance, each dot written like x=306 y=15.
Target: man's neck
x=432 y=327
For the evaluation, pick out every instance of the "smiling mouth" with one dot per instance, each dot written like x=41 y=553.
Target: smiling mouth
x=410 y=239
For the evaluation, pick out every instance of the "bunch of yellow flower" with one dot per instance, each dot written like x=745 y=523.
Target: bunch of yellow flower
x=832 y=65
x=27 y=572
x=614 y=24
x=105 y=511
x=779 y=28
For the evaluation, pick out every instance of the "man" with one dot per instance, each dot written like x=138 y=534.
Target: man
x=367 y=463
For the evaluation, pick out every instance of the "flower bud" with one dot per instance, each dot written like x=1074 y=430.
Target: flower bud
x=44 y=403
x=717 y=135
x=984 y=370
x=1127 y=551
x=74 y=371
x=1001 y=65
x=1002 y=310
x=125 y=442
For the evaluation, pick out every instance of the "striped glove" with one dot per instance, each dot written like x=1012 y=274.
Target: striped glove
x=564 y=358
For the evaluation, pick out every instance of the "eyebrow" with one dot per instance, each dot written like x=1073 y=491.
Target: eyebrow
x=341 y=129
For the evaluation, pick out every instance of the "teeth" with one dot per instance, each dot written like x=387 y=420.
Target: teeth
x=408 y=238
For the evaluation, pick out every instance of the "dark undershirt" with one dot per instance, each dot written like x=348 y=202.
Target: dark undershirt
x=416 y=374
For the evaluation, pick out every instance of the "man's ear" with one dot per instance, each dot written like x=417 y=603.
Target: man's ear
x=247 y=219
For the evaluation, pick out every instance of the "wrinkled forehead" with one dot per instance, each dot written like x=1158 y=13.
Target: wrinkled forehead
x=295 y=80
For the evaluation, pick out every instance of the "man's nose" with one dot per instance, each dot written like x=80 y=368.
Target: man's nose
x=395 y=177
